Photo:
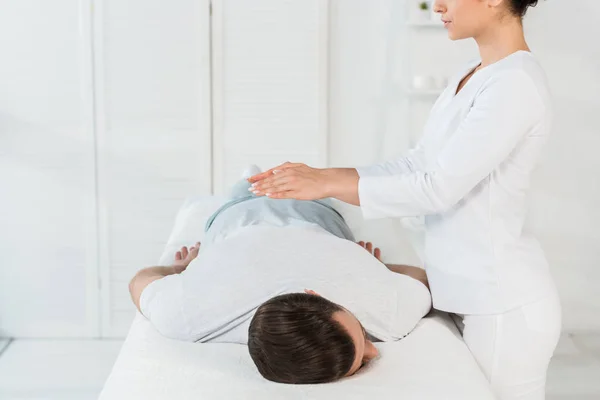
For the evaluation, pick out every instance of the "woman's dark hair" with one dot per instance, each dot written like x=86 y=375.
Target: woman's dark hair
x=293 y=338
x=519 y=7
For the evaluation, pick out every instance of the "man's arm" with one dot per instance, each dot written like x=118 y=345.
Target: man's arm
x=146 y=276
x=414 y=272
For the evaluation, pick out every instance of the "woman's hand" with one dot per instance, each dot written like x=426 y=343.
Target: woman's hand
x=301 y=182
x=183 y=257
x=292 y=181
x=369 y=247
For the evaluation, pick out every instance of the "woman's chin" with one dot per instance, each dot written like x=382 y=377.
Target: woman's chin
x=455 y=36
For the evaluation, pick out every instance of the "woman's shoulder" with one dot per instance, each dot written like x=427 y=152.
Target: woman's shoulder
x=520 y=84
x=522 y=71
x=521 y=79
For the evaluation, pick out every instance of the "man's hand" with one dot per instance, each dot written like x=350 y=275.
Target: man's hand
x=369 y=247
x=184 y=257
x=146 y=276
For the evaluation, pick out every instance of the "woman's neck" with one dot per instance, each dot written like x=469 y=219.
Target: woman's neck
x=501 y=41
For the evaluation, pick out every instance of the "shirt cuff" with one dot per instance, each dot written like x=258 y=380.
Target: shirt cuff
x=147 y=296
x=370 y=196
x=367 y=171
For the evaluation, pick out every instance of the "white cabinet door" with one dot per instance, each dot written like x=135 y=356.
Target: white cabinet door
x=366 y=120
x=152 y=69
x=270 y=85
x=48 y=267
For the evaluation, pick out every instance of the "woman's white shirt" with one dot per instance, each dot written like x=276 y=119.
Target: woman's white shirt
x=470 y=177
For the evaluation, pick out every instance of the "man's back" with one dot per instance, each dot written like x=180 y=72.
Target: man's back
x=215 y=298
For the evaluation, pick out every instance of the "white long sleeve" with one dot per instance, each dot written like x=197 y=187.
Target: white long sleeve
x=412 y=162
x=505 y=112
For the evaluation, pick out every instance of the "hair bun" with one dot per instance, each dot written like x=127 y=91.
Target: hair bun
x=519 y=7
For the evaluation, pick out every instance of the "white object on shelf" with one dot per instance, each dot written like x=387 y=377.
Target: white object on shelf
x=423 y=82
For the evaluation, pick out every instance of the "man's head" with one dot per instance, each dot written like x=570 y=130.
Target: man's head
x=304 y=338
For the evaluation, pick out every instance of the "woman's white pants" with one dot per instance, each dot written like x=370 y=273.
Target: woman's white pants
x=514 y=349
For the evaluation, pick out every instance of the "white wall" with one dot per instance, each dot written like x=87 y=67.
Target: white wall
x=565 y=203
x=270 y=84
x=153 y=122
x=47 y=195
x=104 y=130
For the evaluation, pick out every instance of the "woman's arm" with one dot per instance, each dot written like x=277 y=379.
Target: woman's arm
x=409 y=163
x=505 y=112
x=315 y=183
x=301 y=182
x=342 y=184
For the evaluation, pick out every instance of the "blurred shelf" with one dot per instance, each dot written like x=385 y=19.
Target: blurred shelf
x=425 y=24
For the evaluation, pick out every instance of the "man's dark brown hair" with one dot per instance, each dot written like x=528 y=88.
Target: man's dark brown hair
x=293 y=338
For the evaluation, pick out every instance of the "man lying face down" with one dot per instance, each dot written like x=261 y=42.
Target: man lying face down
x=287 y=278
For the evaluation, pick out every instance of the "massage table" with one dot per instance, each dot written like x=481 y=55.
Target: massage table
x=432 y=362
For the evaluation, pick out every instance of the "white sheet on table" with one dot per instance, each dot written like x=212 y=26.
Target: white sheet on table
x=430 y=363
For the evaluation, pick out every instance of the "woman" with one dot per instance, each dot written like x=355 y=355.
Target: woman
x=469 y=176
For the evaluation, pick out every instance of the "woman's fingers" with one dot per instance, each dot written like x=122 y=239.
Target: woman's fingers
x=276 y=190
x=269 y=173
x=281 y=175
x=361 y=244
x=369 y=247
x=178 y=256
x=269 y=183
x=184 y=252
x=260 y=177
x=263 y=175
x=290 y=194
